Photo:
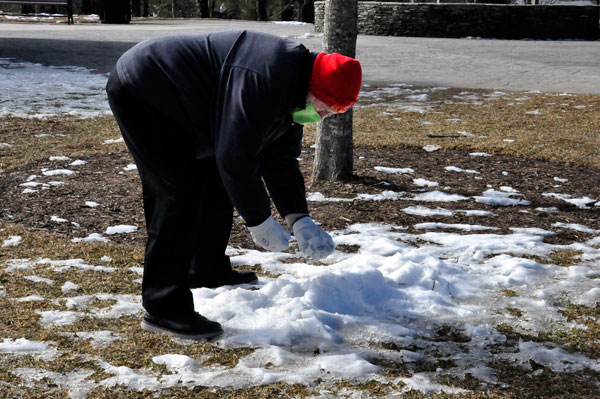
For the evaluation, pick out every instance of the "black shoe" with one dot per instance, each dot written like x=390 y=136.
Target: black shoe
x=191 y=326
x=232 y=278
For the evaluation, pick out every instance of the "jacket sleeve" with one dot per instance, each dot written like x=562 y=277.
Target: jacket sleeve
x=282 y=175
x=244 y=118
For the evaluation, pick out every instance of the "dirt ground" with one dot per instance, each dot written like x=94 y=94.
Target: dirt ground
x=532 y=151
x=119 y=194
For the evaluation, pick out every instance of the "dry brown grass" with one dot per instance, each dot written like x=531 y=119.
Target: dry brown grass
x=509 y=293
x=64 y=135
x=567 y=129
x=565 y=257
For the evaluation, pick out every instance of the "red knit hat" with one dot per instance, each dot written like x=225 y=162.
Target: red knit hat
x=336 y=80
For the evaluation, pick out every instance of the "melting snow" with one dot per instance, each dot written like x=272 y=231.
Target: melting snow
x=50 y=90
x=493 y=197
x=120 y=229
x=12 y=241
x=312 y=322
x=394 y=170
x=578 y=202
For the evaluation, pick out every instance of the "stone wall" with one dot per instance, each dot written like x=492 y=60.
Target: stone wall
x=476 y=20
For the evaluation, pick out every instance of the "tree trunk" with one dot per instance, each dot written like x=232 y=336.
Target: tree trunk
x=334 y=148
x=203 y=7
x=305 y=11
x=27 y=9
x=286 y=12
x=261 y=10
x=87 y=7
x=135 y=8
x=308 y=12
x=146 y=9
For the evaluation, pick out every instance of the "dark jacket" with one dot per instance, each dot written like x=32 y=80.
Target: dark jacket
x=232 y=93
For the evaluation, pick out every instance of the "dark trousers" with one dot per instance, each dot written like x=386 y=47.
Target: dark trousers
x=188 y=212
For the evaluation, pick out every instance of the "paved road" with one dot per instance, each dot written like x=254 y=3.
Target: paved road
x=563 y=66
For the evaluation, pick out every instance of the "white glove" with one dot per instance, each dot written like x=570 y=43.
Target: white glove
x=270 y=235
x=313 y=240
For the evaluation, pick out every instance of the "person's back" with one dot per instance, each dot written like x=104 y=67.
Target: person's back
x=188 y=74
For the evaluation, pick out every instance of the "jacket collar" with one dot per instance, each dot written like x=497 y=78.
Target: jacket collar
x=302 y=90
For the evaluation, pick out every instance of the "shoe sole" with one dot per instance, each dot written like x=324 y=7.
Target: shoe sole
x=251 y=282
x=153 y=328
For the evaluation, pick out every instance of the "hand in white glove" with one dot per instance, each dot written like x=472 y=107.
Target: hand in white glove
x=270 y=235
x=313 y=240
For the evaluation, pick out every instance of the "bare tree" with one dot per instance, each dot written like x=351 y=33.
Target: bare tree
x=135 y=8
x=305 y=11
x=204 y=9
x=261 y=10
x=334 y=149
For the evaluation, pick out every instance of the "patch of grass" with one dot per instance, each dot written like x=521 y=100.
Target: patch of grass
x=561 y=257
x=467 y=382
x=390 y=368
x=372 y=388
x=515 y=312
x=572 y=136
x=102 y=304
x=228 y=358
x=414 y=394
x=544 y=383
x=138 y=347
x=309 y=261
x=67 y=136
x=41 y=244
x=135 y=350
x=514 y=337
x=392 y=346
x=567 y=129
x=20 y=320
x=256 y=269
x=585 y=340
x=565 y=257
x=348 y=249
x=19 y=392
x=560 y=132
x=505 y=329
x=431 y=367
x=120 y=392
x=37 y=244
x=278 y=390
x=535 y=258
x=448 y=333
